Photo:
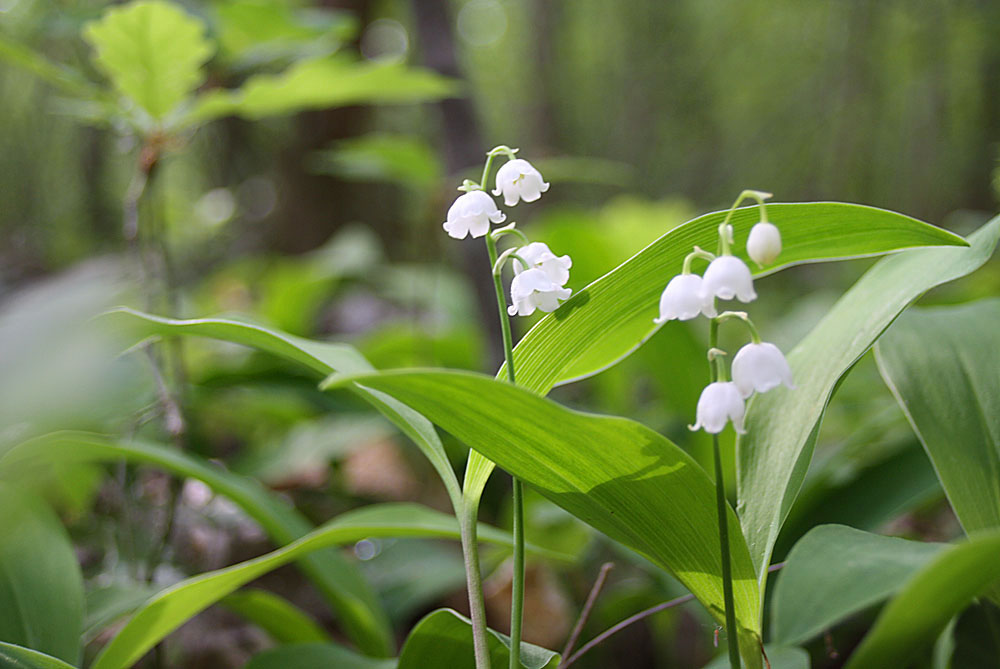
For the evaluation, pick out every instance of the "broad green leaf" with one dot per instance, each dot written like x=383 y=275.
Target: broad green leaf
x=941 y=364
x=319 y=84
x=173 y=606
x=609 y=318
x=340 y=581
x=41 y=589
x=314 y=655
x=152 y=51
x=404 y=159
x=282 y=620
x=835 y=571
x=782 y=425
x=779 y=657
x=321 y=357
x=908 y=625
x=68 y=80
x=976 y=636
x=615 y=474
x=443 y=640
x=19 y=657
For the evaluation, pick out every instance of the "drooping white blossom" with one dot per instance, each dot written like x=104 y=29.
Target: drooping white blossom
x=533 y=289
x=720 y=402
x=728 y=277
x=683 y=299
x=471 y=213
x=760 y=367
x=517 y=178
x=764 y=243
x=539 y=256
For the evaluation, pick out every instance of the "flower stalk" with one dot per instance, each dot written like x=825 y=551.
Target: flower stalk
x=722 y=505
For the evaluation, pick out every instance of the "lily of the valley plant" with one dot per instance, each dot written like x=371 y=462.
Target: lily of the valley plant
x=757 y=367
x=539 y=283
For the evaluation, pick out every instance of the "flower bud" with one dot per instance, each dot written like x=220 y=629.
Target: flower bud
x=764 y=243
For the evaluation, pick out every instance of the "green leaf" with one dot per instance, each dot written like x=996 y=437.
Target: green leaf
x=780 y=658
x=106 y=605
x=608 y=319
x=152 y=51
x=835 y=571
x=320 y=84
x=314 y=655
x=909 y=624
x=443 y=640
x=64 y=78
x=615 y=474
x=18 y=657
x=41 y=589
x=324 y=358
x=977 y=636
x=782 y=425
x=941 y=364
x=173 y=606
x=282 y=620
x=340 y=581
x=407 y=160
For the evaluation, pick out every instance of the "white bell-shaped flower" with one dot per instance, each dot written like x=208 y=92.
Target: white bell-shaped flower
x=760 y=367
x=539 y=256
x=764 y=243
x=683 y=299
x=533 y=289
x=719 y=402
x=517 y=178
x=471 y=213
x=728 y=277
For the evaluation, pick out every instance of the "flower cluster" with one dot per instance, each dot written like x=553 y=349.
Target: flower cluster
x=758 y=366
x=540 y=276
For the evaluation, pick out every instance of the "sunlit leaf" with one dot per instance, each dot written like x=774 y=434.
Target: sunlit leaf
x=782 y=424
x=615 y=474
x=941 y=364
x=152 y=51
x=835 y=571
x=41 y=588
x=443 y=640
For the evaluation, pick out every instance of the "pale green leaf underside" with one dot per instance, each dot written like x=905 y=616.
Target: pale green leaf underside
x=773 y=456
x=618 y=475
x=943 y=366
x=152 y=51
x=169 y=609
x=908 y=625
x=284 y=622
x=340 y=581
x=835 y=571
x=314 y=656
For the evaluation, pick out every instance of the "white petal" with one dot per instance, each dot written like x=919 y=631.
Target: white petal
x=760 y=367
x=456 y=229
x=479 y=226
x=683 y=299
x=728 y=277
x=719 y=402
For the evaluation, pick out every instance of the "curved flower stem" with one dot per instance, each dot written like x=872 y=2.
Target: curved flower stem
x=517 y=586
x=697 y=253
x=741 y=315
x=490 y=155
x=510 y=229
x=732 y=632
x=759 y=196
x=474 y=583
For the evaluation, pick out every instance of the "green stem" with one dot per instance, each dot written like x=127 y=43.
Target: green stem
x=732 y=632
x=517 y=587
x=474 y=583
